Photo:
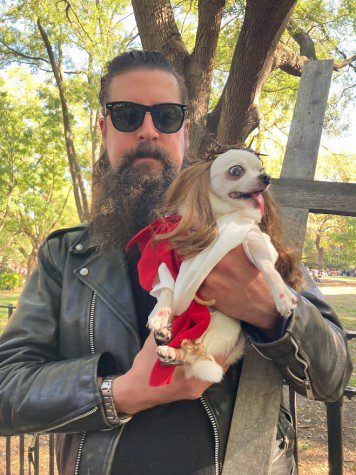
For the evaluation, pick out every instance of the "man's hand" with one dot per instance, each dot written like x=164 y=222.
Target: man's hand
x=241 y=292
x=132 y=393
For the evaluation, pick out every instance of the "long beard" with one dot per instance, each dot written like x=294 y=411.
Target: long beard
x=125 y=197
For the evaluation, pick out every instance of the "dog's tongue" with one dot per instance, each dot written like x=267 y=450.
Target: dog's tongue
x=259 y=200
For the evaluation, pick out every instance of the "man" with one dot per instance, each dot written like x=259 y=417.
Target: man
x=81 y=317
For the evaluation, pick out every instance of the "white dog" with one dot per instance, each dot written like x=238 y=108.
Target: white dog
x=237 y=181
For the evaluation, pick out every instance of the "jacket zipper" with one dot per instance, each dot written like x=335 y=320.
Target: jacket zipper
x=216 y=434
x=92 y=351
x=79 y=454
x=91 y=323
x=31 y=445
x=306 y=381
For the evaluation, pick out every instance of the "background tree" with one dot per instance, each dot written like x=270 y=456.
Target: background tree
x=35 y=191
x=330 y=239
x=54 y=37
x=257 y=52
x=242 y=82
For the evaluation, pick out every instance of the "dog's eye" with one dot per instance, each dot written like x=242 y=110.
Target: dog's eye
x=236 y=170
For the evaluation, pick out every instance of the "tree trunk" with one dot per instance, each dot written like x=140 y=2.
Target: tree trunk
x=262 y=28
x=199 y=69
x=257 y=53
x=158 y=31
x=320 y=250
x=79 y=190
x=95 y=135
x=94 y=118
x=31 y=262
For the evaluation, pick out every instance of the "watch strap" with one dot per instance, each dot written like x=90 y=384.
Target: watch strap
x=111 y=414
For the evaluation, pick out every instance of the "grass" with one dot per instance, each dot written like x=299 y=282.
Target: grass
x=340 y=293
x=7 y=297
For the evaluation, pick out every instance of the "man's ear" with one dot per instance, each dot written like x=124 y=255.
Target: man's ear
x=103 y=129
x=186 y=133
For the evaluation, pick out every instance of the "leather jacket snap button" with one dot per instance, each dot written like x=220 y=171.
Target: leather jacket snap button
x=84 y=271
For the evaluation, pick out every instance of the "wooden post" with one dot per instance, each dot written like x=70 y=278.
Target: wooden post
x=253 y=429
x=304 y=140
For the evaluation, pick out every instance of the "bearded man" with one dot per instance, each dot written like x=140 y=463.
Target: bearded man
x=76 y=357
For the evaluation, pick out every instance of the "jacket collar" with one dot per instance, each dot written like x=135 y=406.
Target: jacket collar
x=84 y=243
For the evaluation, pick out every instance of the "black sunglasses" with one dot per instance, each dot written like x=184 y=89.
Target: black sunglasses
x=128 y=116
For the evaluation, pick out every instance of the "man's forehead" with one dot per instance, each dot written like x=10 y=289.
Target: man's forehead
x=145 y=87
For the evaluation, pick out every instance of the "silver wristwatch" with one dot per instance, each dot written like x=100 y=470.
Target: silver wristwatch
x=112 y=416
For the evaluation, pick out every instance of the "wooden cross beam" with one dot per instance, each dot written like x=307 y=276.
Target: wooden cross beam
x=316 y=196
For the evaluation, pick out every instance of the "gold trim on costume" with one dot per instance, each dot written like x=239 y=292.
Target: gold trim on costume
x=207 y=303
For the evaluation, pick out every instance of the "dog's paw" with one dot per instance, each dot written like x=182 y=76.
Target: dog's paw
x=164 y=334
x=285 y=302
x=167 y=355
x=160 y=319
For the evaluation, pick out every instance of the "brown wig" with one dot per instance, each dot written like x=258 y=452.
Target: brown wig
x=188 y=196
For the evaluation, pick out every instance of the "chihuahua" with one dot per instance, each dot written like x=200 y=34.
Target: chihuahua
x=234 y=183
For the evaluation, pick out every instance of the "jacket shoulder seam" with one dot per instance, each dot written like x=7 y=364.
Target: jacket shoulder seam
x=62 y=231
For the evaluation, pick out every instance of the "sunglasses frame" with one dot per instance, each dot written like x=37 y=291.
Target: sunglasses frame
x=184 y=108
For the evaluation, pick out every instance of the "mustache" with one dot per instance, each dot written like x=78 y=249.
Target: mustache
x=144 y=150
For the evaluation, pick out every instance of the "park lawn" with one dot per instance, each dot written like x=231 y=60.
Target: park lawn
x=7 y=297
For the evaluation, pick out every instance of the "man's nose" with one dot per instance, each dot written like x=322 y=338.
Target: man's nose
x=266 y=179
x=147 y=132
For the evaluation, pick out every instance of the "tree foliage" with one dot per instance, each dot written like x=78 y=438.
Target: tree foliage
x=242 y=72
x=35 y=186
x=330 y=240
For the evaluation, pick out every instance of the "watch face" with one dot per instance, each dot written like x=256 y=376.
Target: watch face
x=106 y=384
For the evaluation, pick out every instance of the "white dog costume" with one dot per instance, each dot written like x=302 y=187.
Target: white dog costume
x=237 y=181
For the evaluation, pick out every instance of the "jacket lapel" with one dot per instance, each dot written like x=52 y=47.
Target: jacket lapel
x=107 y=275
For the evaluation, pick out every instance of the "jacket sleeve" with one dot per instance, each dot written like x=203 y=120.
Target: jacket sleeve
x=39 y=389
x=312 y=354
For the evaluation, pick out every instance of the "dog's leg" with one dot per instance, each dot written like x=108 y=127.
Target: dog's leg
x=169 y=355
x=261 y=256
x=198 y=363
x=160 y=318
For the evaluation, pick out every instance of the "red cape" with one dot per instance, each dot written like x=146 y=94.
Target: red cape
x=192 y=323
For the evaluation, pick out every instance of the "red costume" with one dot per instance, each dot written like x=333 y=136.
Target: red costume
x=192 y=323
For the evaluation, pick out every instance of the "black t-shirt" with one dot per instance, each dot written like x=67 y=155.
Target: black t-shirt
x=175 y=438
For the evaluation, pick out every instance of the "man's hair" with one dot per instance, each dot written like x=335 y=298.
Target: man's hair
x=137 y=60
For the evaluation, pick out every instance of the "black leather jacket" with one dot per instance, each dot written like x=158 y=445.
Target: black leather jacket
x=76 y=321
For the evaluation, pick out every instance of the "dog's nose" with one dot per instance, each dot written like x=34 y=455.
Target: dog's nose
x=266 y=179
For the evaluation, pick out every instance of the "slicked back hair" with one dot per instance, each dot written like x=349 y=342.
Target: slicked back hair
x=137 y=60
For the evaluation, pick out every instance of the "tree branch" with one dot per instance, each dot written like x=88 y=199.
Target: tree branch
x=345 y=62
x=307 y=49
x=338 y=50
x=288 y=60
x=22 y=55
x=209 y=22
x=68 y=8
x=158 y=30
x=306 y=44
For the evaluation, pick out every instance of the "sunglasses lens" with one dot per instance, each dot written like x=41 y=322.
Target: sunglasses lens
x=168 y=118
x=126 y=117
